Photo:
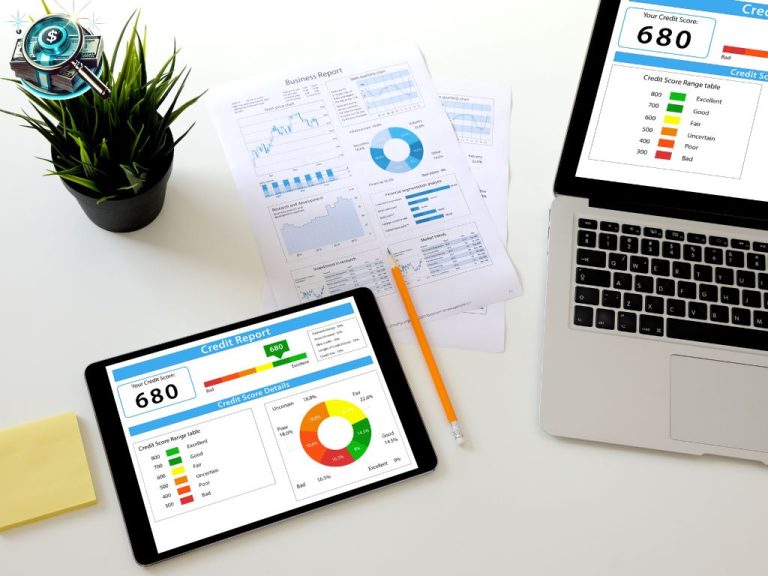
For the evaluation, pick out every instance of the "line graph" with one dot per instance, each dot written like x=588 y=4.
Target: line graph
x=367 y=269
x=309 y=226
x=293 y=148
x=375 y=94
x=472 y=118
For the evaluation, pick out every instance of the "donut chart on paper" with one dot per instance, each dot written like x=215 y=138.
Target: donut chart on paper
x=319 y=452
x=415 y=147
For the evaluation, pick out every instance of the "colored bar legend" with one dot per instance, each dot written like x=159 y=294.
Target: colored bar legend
x=674 y=120
x=255 y=369
x=174 y=461
x=677 y=108
x=678 y=96
x=187 y=499
x=745 y=51
x=662 y=155
x=172 y=452
x=667 y=131
x=666 y=143
x=181 y=482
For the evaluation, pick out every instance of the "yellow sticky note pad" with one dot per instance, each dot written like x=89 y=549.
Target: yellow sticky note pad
x=43 y=470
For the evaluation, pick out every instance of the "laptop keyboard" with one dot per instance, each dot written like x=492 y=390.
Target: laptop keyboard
x=670 y=283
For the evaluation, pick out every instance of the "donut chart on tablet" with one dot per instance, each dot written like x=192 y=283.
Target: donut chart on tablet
x=415 y=150
x=348 y=421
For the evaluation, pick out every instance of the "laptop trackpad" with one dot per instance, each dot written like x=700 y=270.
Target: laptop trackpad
x=719 y=403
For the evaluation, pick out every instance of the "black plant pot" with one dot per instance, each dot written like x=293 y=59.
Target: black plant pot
x=124 y=214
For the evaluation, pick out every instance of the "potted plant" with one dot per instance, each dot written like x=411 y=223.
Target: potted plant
x=115 y=155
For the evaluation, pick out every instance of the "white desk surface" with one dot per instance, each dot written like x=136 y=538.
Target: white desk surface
x=512 y=501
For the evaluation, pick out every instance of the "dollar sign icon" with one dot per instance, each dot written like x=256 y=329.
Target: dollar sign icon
x=53 y=35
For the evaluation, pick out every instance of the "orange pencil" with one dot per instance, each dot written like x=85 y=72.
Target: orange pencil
x=427 y=352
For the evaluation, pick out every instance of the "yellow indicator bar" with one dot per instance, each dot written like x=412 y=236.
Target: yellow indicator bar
x=178 y=470
x=672 y=120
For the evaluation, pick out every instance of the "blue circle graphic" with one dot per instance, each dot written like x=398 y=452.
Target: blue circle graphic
x=382 y=161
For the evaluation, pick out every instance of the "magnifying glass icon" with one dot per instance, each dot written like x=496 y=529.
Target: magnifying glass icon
x=54 y=44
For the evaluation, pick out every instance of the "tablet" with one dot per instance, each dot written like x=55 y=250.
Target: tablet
x=225 y=431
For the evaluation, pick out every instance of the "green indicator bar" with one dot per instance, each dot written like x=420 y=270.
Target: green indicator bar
x=174 y=461
x=675 y=108
x=290 y=359
x=678 y=96
x=171 y=451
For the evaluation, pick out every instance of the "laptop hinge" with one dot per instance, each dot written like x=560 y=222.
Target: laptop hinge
x=681 y=213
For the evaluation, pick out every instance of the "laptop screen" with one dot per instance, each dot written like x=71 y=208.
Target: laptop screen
x=681 y=102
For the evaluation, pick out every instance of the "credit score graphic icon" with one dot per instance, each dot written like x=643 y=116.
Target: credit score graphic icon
x=384 y=147
x=339 y=423
x=57 y=59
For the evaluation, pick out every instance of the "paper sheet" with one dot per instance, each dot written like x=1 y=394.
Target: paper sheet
x=337 y=163
x=44 y=470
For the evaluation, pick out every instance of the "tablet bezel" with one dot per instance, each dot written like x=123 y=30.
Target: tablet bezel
x=118 y=452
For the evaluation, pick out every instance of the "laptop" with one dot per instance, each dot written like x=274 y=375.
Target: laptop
x=657 y=301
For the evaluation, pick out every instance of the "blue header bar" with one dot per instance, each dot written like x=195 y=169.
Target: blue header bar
x=257 y=394
x=688 y=66
x=222 y=344
x=732 y=7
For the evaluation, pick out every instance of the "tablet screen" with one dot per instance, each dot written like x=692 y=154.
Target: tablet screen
x=229 y=430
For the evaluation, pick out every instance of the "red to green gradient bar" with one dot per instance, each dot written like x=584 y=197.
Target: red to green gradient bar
x=745 y=51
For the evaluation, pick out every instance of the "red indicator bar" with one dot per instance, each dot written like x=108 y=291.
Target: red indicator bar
x=184 y=490
x=187 y=499
x=662 y=155
x=745 y=51
x=234 y=376
x=666 y=143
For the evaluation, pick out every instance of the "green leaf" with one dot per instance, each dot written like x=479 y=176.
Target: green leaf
x=45 y=7
x=84 y=182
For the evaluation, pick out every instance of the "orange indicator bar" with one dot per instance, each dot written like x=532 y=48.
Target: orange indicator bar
x=745 y=51
x=667 y=131
x=181 y=480
x=183 y=490
x=666 y=143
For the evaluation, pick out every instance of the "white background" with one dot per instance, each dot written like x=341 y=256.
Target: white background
x=512 y=501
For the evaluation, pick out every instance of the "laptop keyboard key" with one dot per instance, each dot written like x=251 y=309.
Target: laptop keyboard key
x=643 y=284
x=762 y=281
x=739 y=244
x=650 y=247
x=605 y=319
x=583 y=316
x=697 y=310
x=745 y=279
x=654 y=305
x=692 y=253
x=681 y=270
x=587 y=223
x=633 y=301
x=622 y=281
x=718 y=313
x=587 y=239
x=708 y=292
x=686 y=290
x=660 y=267
x=760 y=247
x=756 y=261
x=592 y=277
x=608 y=242
x=665 y=287
x=734 y=258
x=611 y=299
x=675 y=235
x=609 y=226
x=724 y=276
x=713 y=256
x=717 y=334
x=672 y=250
x=630 y=229
x=590 y=258
x=741 y=317
x=751 y=299
x=652 y=325
x=652 y=232
x=617 y=261
x=702 y=273
x=638 y=264
x=587 y=295
x=696 y=238
x=718 y=241
x=627 y=322
x=629 y=244
x=729 y=296
x=675 y=307
x=761 y=320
